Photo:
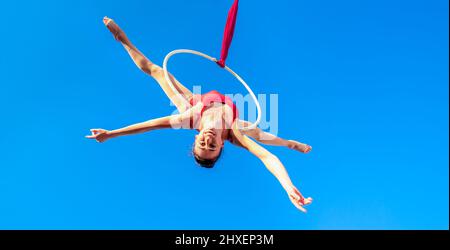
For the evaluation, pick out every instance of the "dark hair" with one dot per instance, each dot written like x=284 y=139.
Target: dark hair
x=206 y=163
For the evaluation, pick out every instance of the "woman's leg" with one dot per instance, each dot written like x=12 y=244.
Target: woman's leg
x=150 y=68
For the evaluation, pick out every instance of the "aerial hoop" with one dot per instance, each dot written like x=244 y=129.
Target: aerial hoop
x=188 y=51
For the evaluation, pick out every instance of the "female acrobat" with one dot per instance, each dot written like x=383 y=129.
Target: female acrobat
x=213 y=115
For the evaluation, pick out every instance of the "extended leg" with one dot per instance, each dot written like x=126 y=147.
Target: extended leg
x=150 y=68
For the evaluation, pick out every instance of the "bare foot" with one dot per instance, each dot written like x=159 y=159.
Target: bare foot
x=301 y=147
x=114 y=28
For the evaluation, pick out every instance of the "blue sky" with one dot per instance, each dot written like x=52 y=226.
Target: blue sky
x=364 y=82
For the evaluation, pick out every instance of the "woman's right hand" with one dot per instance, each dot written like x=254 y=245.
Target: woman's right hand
x=100 y=135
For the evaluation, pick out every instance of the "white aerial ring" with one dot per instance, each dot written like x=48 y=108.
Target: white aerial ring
x=188 y=51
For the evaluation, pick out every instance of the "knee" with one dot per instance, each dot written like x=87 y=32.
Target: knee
x=155 y=71
x=144 y=66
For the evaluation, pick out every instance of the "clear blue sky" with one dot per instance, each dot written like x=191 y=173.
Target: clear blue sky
x=370 y=78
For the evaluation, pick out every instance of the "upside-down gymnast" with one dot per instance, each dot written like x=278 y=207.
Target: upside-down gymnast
x=213 y=115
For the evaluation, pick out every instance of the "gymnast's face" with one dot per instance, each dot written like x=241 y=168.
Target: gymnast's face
x=208 y=143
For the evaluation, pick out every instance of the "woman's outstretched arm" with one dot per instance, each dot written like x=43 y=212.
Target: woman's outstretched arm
x=173 y=121
x=270 y=139
x=274 y=165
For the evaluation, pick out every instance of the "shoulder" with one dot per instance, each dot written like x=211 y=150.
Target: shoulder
x=235 y=135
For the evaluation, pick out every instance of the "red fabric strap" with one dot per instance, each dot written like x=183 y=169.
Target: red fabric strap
x=229 y=32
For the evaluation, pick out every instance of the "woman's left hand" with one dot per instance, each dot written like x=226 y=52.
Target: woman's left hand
x=297 y=198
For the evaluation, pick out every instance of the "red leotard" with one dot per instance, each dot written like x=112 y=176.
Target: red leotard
x=212 y=97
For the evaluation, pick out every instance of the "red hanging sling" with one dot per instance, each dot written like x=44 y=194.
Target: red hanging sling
x=228 y=34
